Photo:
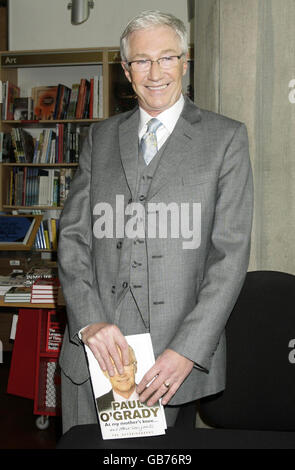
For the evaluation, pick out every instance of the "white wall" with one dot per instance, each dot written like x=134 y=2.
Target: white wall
x=46 y=24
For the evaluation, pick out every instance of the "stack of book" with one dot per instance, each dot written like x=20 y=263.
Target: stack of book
x=45 y=291
x=18 y=294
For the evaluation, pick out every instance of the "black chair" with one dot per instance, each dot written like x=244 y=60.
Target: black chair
x=260 y=392
x=257 y=409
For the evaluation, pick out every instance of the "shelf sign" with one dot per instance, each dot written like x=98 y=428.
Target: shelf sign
x=37 y=59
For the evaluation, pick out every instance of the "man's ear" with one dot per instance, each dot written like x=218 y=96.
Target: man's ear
x=126 y=71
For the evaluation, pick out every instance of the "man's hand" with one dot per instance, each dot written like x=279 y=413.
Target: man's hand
x=171 y=369
x=104 y=340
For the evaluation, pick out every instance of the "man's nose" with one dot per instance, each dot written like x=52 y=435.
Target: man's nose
x=155 y=72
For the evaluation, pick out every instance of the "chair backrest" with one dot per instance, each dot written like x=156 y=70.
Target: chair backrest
x=260 y=391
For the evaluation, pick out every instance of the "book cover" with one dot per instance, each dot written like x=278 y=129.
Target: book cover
x=120 y=413
x=73 y=101
x=44 y=101
x=19 y=291
x=22 y=109
x=12 y=92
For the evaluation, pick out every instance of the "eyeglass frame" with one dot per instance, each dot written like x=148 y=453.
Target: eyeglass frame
x=152 y=61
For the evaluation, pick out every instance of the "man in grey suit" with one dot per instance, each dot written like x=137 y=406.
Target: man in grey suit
x=155 y=233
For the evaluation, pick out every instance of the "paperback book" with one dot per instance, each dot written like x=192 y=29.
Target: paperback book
x=120 y=412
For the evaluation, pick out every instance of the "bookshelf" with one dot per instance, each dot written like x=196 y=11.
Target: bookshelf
x=48 y=68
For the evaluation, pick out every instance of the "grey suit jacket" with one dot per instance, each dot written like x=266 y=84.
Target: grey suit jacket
x=206 y=160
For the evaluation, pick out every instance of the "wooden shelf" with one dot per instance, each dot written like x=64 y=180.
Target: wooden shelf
x=51 y=121
x=48 y=208
x=49 y=165
x=24 y=304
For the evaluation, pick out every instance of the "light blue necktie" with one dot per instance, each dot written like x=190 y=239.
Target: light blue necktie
x=148 y=143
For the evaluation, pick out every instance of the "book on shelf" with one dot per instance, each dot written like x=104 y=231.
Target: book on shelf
x=62 y=102
x=18 y=294
x=30 y=186
x=23 y=109
x=45 y=290
x=42 y=283
x=120 y=413
x=23 y=145
x=47 y=234
x=71 y=112
x=6 y=148
x=54 y=331
x=10 y=91
x=44 y=98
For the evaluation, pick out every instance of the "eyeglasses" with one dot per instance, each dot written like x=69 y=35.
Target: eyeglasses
x=143 y=65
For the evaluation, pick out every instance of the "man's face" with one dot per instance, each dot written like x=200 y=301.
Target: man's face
x=125 y=383
x=156 y=89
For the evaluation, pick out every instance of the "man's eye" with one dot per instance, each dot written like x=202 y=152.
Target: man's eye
x=166 y=59
x=141 y=62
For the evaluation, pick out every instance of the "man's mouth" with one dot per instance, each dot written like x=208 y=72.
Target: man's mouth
x=158 y=88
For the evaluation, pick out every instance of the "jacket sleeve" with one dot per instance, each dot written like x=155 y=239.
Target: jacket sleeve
x=74 y=250
x=228 y=257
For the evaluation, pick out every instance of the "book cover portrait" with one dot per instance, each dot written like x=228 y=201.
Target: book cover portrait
x=120 y=412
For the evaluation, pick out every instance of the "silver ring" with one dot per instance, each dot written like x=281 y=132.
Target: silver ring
x=167 y=384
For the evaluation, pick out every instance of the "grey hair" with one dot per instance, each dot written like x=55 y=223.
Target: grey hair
x=148 y=19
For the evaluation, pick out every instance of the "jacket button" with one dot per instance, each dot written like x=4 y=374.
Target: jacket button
x=113 y=289
x=119 y=245
x=142 y=197
x=125 y=284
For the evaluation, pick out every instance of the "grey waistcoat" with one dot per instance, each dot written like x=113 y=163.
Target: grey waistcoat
x=132 y=312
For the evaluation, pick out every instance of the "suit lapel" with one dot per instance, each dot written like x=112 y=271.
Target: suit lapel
x=128 y=143
x=180 y=146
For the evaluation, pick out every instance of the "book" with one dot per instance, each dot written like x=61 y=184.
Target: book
x=73 y=101
x=12 y=92
x=22 y=109
x=118 y=416
x=44 y=98
x=51 y=284
x=18 y=294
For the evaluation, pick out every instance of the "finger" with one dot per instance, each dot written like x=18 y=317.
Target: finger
x=124 y=348
x=151 y=389
x=169 y=394
x=98 y=358
x=104 y=353
x=116 y=357
x=148 y=379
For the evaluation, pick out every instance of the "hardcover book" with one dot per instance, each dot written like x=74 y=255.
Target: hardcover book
x=120 y=412
x=23 y=109
x=44 y=98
